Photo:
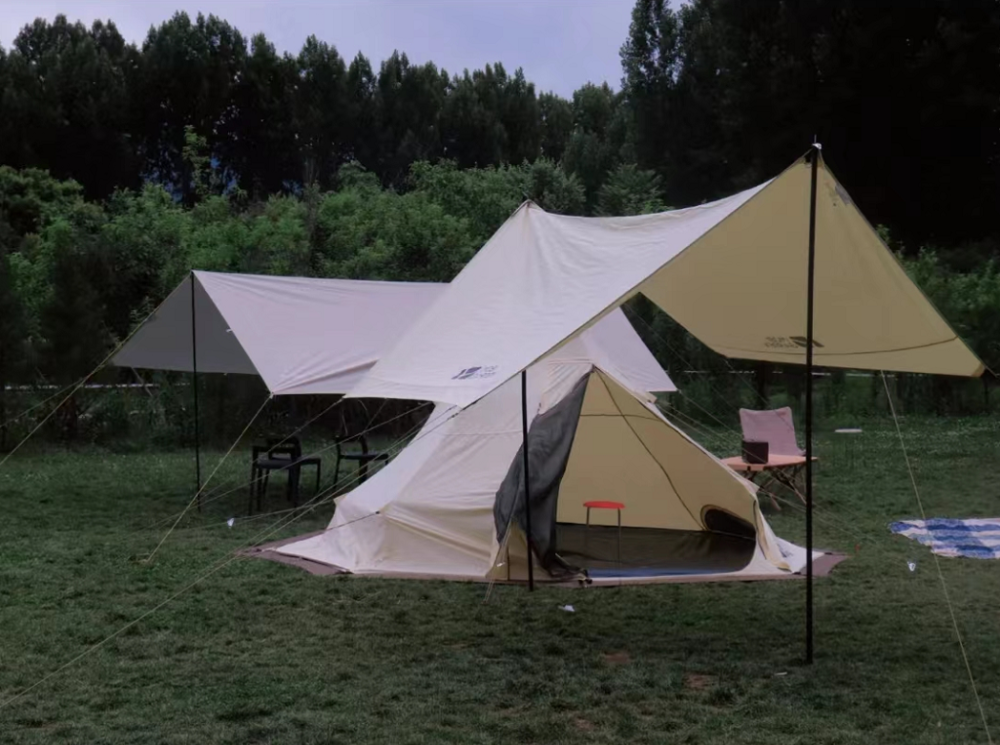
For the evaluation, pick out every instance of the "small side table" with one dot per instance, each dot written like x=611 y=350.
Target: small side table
x=602 y=505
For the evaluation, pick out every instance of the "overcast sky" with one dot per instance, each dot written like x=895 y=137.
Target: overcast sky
x=561 y=44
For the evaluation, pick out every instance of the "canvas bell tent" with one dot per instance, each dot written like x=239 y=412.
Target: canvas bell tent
x=449 y=505
x=300 y=335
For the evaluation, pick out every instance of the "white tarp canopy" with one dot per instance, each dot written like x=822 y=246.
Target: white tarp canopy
x=300 y=335
x=733 y=272
x=318 y=336
x=430 y=512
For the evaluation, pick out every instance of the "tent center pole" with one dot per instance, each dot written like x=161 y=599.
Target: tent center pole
x=194 y=386
x=527 y=489
x=810 y=343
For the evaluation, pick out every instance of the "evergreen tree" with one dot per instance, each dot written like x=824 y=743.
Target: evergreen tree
x=13 y=333
x=188 y=76
x=67 y=104
x=630 y=191
x=72 y=323
x=725 y=94
x=72 y=328
x=556 y=116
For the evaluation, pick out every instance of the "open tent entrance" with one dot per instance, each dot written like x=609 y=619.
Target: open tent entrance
x=451 y=504
x=683 y=513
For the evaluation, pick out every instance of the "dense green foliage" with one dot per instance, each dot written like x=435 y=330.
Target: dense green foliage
x=122 y=167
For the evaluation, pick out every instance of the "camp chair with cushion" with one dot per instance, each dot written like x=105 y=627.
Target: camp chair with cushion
x=785 y=460
x=362 y=457
x=279 y=455
x=776 y=427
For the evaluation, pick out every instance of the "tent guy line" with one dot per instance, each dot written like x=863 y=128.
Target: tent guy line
x=630 y=313
x=215 y=470
x=937 y=565
x=38 y=405
x=78 y=385
x=214 y=567
x=318 y=452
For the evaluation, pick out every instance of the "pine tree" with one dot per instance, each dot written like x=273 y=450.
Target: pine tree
x=12 y=339
x=72 y=327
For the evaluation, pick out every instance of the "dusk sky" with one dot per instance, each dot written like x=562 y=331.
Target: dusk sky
x=561 y=44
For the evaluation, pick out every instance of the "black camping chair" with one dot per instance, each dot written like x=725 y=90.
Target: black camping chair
x=362 y=457
x=279 y=455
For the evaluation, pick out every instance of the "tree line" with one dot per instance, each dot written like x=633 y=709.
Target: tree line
x=715 y=96
x=123 y=166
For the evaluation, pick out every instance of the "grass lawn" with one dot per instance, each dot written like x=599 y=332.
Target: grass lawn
x=259 y=652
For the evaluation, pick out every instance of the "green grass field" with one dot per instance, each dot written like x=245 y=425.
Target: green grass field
x=262 y=653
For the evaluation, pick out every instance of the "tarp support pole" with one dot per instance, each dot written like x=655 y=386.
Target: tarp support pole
x=194 y=385
x=815 y=153
x=527 y=491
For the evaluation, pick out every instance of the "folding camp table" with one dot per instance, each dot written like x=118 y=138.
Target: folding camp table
x=782 y=469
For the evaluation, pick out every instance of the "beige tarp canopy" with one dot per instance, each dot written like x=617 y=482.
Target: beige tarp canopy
x=733 y=272
x=300 y=335
x=318 y=336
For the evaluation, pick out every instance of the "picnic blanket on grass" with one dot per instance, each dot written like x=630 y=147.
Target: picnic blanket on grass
x=977 y=538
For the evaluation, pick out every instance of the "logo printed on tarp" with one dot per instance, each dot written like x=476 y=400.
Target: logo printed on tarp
x=476 y=373
x=789 y=342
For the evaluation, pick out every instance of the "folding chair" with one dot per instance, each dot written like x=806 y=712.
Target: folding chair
x=362 y=457
x=786 y=460
x=279 y=455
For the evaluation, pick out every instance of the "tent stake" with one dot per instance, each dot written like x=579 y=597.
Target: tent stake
x=815 y=154
x=527 y=492
x=194 y=368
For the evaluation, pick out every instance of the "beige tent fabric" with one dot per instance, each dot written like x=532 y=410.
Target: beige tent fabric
x=868 y=313
x=733 y=272
x=429 y=513
x=626 y=451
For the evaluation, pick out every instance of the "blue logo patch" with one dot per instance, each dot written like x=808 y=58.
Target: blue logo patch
x=475 y=373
